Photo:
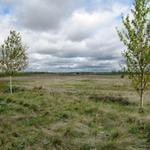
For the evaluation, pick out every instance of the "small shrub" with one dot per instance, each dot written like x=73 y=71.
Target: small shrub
x=108 y=145
x=110 y=99
x=147 y=130
x=86 y=147
x=72 y=132
x=56 y=141
x=38 y=88
x=63 y=115
x=14 y=90
x=122 y=76
x=3 y=106
x=90 y=110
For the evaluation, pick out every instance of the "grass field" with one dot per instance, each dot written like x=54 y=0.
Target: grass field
x=72 y=112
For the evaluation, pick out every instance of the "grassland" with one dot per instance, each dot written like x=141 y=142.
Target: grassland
x=72 y=112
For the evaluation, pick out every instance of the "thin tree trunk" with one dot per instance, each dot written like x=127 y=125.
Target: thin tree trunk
x=141 y=99
x=10 y=84
x=141 y=90
x=141 y=95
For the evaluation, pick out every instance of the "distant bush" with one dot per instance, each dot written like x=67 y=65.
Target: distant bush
x=15 y=89
x=108 y=99
x=122 y=76
x=37 y=88
x=86 y=147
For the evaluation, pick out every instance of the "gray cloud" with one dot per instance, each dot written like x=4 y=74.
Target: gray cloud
x=75 y=64
x=44 y=14
x=64 y=35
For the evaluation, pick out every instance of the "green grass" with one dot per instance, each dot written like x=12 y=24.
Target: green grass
x=59 y=114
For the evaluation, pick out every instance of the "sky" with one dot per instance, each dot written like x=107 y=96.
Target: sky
x=67 y=35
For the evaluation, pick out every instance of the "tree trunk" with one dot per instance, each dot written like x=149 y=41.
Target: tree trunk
x=141 y=99
x=141 y=90
x=141 y=102
x=10 y=85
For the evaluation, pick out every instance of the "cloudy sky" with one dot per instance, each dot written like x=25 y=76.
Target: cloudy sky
x=67 y=35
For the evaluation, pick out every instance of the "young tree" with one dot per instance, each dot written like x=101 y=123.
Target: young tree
x=12 y=55
x=136 y=38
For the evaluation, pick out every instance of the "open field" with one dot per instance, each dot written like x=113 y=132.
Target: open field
x=72 y=112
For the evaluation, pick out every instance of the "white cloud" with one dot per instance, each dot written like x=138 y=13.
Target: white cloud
x=65 y=35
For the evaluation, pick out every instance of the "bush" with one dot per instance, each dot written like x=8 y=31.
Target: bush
x=108 y=99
